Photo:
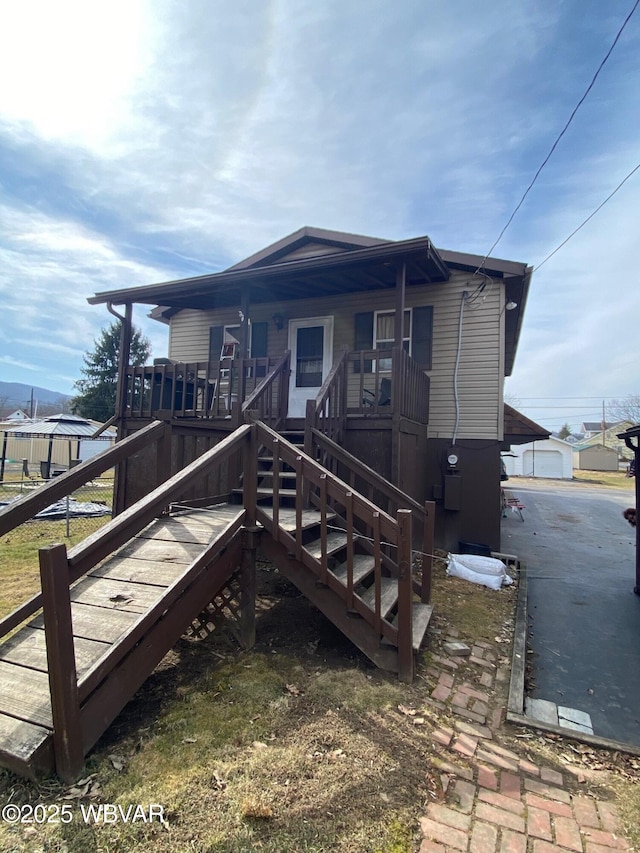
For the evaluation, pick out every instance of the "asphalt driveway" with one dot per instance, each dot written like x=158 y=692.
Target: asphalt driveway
x=583 y=616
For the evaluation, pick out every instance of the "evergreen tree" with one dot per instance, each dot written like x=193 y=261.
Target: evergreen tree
x=96 y=396
x=565 y=432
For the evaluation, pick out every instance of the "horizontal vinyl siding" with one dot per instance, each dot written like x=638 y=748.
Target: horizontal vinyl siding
x=480 y=369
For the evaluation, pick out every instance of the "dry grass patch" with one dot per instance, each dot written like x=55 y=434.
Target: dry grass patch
x=476 y=612
x=616 y=479
x=19 y=548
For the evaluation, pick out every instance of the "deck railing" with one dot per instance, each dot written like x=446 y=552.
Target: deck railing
x=378 y=490
x=198 y=389
x=328 y=412
x=387 y=382
x=381 y=382
x=269 y=399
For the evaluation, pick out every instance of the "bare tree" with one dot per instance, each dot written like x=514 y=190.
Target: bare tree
x=625 y=409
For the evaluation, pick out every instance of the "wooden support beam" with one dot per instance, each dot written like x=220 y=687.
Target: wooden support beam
x=61 y=661
x=405 y=596
x=401 y=285
x=250 y=538
x=428 y=545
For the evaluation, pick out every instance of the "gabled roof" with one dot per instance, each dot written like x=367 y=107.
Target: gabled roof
x=595 y=426
x=308 y=242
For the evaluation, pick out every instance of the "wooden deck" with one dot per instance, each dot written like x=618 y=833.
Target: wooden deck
x=106 y=604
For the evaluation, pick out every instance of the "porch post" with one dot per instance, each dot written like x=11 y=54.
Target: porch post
x=123 y=358
x=124 y=355
x=401 y=282
x=244 y=342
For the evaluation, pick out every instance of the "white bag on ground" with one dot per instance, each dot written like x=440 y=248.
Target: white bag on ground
x=482 y=570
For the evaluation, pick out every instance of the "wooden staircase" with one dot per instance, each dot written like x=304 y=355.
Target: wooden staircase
x=340 y=550
x=116 y=603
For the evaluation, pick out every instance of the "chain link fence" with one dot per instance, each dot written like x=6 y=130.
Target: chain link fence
x=72 y=517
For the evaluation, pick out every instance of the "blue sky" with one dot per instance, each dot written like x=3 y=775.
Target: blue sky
x=143 y=141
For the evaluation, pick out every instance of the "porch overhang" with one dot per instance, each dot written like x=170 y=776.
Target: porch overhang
x=519 y=429
x=367 y=269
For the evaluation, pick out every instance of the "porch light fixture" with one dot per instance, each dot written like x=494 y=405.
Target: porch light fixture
x=278 y=320
x=508 y=306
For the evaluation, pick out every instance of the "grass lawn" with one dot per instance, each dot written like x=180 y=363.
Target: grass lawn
x=617 y=479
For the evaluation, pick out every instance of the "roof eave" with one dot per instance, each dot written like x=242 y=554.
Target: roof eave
x=167 y=292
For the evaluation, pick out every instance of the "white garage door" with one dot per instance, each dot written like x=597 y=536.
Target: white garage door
x=542 y=463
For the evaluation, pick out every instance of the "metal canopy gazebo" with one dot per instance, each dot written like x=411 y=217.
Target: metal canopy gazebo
x=56 y=428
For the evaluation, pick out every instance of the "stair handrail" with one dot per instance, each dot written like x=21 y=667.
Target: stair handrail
x=425 y=512
x=132 y=520
x=329 y=409
x=120 y=529
x=387 y=532
x=257 y=399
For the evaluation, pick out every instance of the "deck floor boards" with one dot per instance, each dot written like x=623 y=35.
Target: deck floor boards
x=28 y=648
x=105 y=604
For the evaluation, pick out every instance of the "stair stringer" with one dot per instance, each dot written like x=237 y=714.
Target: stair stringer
x=331 y=605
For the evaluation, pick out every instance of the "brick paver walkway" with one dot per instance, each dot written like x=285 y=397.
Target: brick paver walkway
x=491 y=798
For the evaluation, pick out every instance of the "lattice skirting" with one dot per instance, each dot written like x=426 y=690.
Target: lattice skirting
x=226 y=609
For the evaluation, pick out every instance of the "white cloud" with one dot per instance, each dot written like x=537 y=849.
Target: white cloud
x=146 y=141
x=72 y=65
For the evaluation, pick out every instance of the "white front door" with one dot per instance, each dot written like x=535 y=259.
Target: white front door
x=311 y=345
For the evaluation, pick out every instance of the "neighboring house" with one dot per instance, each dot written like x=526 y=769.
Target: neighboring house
x=428 y=414
x=552 y=457
x=608 y=439
x=18 y=416
x=593 y=428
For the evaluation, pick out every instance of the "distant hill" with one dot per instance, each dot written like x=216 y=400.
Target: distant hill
x=16 y=395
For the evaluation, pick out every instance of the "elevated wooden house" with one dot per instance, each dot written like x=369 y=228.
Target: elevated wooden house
x=325 y=400
x=416 y=340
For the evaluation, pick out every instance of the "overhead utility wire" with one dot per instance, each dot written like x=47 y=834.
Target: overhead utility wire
x=562 y=133
x=591 y=215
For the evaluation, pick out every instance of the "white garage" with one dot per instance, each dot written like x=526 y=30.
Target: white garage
x=542 y=463
x=552 y=458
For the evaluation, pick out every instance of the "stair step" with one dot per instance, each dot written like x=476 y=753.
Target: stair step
x=287 y=518
x=421 y=617
x=388 y=595
x=282 y=475
x=335 y=541
x=363 y=564
x=268 y=493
